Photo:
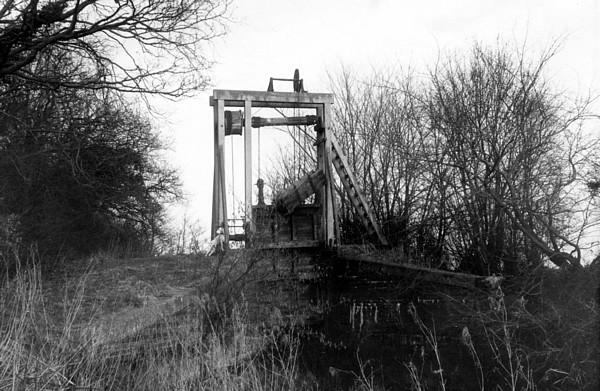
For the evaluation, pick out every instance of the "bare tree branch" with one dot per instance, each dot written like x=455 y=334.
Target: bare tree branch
x=153 y=46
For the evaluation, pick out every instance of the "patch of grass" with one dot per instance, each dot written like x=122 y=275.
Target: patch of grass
x=209 y=346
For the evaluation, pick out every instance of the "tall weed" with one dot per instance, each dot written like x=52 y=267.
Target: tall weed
x=208 y=347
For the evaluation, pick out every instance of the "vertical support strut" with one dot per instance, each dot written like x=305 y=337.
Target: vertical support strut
x=324 y=163
x=321 y=195
x=332 y=215
x=219 y=217
x=216 y=199
x=249 y=220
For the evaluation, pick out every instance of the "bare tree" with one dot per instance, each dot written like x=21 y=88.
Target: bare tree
x=515 y=150
x=150 y=46
x=378 y=122
x=480 y=162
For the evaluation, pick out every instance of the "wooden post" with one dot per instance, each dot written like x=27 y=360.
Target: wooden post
x=321 y=196
x=220 y=216
x=249 y=220
x=334 y=232
x=327 y=233
x=216 y=198
x=330 y=210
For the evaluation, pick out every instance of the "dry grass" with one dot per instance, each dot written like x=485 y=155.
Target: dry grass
x=208 y=346
x=541 y=333
x=61 y=336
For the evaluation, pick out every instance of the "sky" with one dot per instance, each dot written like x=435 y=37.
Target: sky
x=272 y=38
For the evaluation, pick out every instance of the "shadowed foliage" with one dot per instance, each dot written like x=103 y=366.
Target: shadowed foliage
x=80 y=170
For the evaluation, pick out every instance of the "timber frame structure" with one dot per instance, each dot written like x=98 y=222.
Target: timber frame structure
x=302 y=225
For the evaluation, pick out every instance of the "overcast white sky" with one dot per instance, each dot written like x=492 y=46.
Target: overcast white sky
x=272 y=38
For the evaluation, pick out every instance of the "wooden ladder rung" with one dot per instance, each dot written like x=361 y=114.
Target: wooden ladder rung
x=354 y=193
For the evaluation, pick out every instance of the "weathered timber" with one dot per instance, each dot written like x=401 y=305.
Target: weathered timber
x=332 y=229
x=237 y=237
x=298 y=227
x=248 y=169
x=353 y=190
x=236 y=98
x=299 y=191
x=325 y=195
x=329 y=155
x=272 y=227
x=290 y=244
x=387 y=266
x=219 y=210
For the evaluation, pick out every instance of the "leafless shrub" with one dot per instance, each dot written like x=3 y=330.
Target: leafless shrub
x=480 y=162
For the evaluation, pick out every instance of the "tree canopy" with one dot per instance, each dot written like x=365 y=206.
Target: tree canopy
x=150 y=46
x=79 y=170
x=80 y=166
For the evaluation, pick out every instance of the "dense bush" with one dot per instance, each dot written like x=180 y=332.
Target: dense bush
x=79 y=170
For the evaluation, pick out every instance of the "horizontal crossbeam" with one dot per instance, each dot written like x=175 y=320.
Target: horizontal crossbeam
x=236 y=98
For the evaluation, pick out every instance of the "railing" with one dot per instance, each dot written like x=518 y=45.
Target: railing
x=236 y=229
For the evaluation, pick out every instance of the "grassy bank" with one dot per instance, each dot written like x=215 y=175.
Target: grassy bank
x=51 y=338
x=183 y=323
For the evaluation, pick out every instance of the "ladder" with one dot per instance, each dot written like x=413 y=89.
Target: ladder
x=351 y=186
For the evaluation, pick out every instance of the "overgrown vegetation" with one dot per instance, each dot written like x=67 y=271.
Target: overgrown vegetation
x=480 y=164
x=539 y=334
x=536 y=332
x=210 y=346
x=80 y=167
x=80 y=172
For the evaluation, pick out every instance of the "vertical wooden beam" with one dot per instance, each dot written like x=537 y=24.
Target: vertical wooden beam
x=321 y=194
x=216 y=197
x=248 y=223
x=330 y=210
x=220 y=129
x=327 y=231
